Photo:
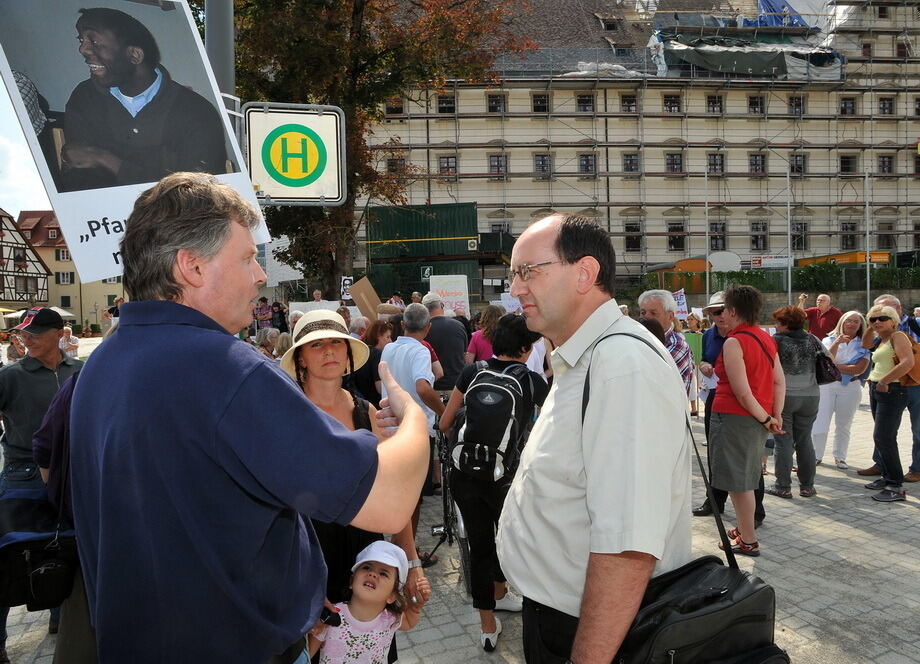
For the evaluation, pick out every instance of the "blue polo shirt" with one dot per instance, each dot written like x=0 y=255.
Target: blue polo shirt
x=712 y=345
x=193 y=458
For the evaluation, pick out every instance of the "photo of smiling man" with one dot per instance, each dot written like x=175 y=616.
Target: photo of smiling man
x=130 y=122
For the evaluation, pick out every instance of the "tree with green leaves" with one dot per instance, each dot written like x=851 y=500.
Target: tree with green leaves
x=356 y=54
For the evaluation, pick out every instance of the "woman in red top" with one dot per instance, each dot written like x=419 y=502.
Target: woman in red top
x=747 y=406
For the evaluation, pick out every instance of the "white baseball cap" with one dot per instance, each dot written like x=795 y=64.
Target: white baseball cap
x=388 y=554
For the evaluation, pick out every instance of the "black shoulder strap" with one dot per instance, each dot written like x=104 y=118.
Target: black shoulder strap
x=759 y=343
x=726 y=544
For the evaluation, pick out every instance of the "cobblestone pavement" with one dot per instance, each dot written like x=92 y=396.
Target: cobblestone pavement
x=846 y=572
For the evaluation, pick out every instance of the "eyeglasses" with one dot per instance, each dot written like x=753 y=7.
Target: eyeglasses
x=716 y=312
x=524 y=270
x=879 y=319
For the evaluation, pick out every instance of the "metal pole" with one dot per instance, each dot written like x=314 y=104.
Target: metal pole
x=706 y=218
x=789 y=237
x=218 y=42
x=866 y=223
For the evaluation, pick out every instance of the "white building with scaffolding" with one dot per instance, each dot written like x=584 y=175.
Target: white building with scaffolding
x=762 y=128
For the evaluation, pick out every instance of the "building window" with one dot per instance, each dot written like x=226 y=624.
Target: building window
x=796 y=105
x=394 y=106
x=27 y=285
x=916 y=236
x=621 y=52
x=848 y=106
x=672 y=103
x=717 y=238
x=633 y=239
x=800 y=236
x=112 y=280
x=759 y=236
x=542 y=165
x=631 y=163
x=396 y=166
x=61 y=255
x=447 y=165
x=447 y=104
x=610 y=23
x=64 y=278
x=901 y=50
x=886 y=236
x=886 y=106
x=883 y=12
x=886 y=164
x=849 y=163
x=848 y=235
x=539 y=102
x=52 y=234
x=65 y=302
x=110 y=300
x=756 y=105
x=798 y=163
x=628 y=103
x=867 y=49
x=677 y=236
x=714 y=103
x=715 y=163
x=757 y=164
x=674 y=162
x=496 y=103
x=585 y=103
x=498 y=165
x=587 y=164
x=27 y=235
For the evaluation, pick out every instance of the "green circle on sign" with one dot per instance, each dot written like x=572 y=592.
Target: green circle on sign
x=312 y=136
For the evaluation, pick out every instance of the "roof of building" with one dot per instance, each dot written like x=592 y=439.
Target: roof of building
x=38 y=223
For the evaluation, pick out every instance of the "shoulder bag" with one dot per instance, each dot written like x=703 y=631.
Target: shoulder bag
x=912 y=377
x=702 y=612
x=826 y=370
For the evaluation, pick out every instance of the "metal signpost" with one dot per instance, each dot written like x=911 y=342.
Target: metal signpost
x=296 y=153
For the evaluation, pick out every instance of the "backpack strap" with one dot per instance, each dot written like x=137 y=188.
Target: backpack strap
x=723 y=535
x=759 y=343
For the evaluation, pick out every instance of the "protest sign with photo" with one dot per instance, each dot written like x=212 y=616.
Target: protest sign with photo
x=453 y=289
x=112 y=98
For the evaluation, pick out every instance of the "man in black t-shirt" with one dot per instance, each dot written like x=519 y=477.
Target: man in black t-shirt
x=448 y=338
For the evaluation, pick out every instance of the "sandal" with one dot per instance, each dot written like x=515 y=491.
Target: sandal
x=743 y=548
x=778 y=492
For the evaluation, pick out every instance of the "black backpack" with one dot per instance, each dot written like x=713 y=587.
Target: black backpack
x=488 y=434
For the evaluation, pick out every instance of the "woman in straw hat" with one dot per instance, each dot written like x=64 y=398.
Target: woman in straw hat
x=322 y=354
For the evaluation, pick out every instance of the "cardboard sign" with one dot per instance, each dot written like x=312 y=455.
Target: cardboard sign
x=93 y=161
x=364 y=295
x=681 y=298
x=453 y=289
x=313 y=305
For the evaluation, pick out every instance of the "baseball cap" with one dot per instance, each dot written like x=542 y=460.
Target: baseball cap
x=431 y=297
x=40 y=319
x=715 y=301
x=388 y=554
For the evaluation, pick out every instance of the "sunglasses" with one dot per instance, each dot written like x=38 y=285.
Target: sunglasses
x=716 y=312
x=879 y=319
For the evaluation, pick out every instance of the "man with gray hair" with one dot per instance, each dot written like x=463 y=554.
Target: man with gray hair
x=909 y=326
x=448 y=338
x=358 y=326
x=295 y=316
x=661 y=306
x=194 y=486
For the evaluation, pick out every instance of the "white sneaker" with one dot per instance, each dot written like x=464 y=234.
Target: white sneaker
x=490 y=639
x=842 y=465
x=510 y=602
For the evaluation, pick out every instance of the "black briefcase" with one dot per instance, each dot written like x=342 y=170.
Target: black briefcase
x=701 y=612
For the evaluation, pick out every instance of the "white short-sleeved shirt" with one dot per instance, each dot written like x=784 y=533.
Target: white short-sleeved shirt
x=409 y=361
x=622 y=485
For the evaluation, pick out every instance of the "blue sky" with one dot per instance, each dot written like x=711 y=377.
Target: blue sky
x=20 y=186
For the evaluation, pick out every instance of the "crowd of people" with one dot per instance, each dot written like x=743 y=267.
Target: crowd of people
x=184 y=492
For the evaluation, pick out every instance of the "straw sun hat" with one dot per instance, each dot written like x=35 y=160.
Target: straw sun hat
x=322 y=324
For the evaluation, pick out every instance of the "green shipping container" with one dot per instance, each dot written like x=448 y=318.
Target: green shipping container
x=407 y=276
x=447 y=231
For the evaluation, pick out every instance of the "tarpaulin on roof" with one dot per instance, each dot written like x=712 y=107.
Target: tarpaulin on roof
x=777 y=13
x=783 y=61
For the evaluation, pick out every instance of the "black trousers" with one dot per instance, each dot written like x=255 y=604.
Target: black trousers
x=720 y=495
x=548 y=634
x=480 y=504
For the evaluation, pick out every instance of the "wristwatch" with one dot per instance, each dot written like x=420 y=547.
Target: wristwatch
x=415 y=563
